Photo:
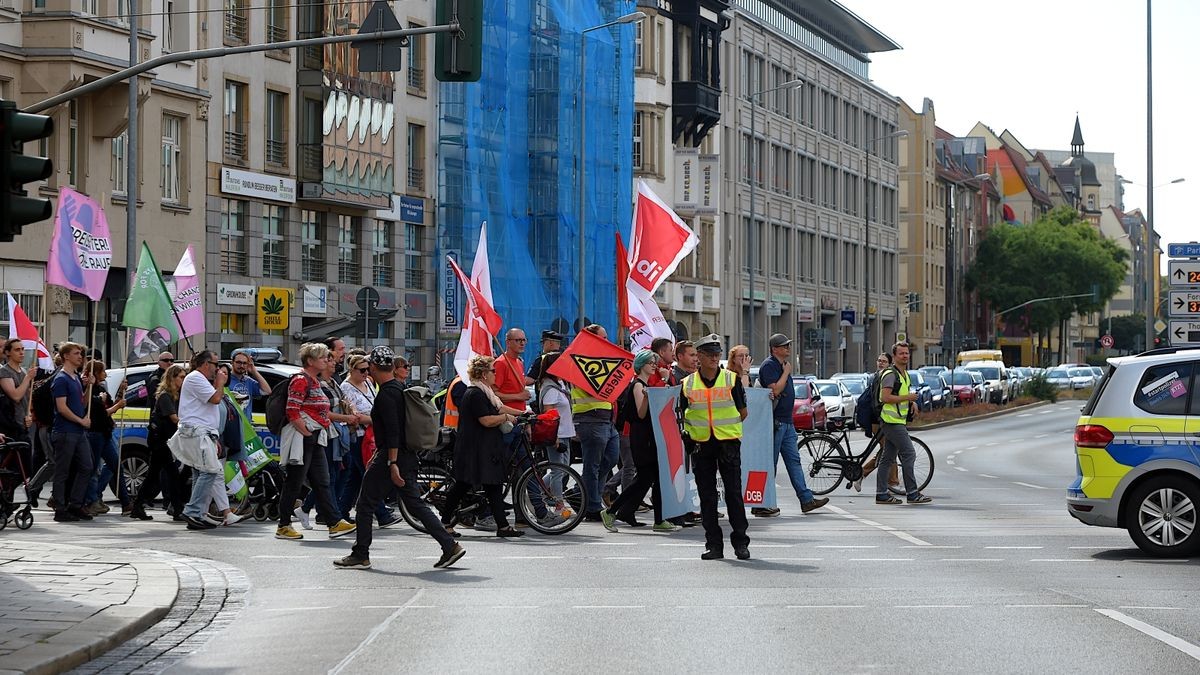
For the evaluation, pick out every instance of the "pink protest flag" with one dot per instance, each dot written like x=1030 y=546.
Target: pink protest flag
x=188 y=307
x=19 y=326
x=81 y=251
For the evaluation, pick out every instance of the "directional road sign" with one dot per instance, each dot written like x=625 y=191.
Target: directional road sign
x=1184 y=272
x=1184 y=333
x=1184 y=304
x=1188 y=250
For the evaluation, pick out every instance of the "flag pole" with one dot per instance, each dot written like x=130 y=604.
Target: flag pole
x=87 y=365
x=121 y=433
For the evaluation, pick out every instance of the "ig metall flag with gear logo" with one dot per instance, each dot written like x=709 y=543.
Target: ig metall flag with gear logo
x=595 y=365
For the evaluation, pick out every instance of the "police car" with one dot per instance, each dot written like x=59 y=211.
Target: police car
x=1137 y=448
x=133 y=421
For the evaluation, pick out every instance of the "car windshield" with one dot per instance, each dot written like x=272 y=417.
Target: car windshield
x=829 y=389
x=1081 y=372
x=1058 y=372
x=801 y=387
x=855 y=386
x=988 y=373
x=961 y=377
x=916 y=378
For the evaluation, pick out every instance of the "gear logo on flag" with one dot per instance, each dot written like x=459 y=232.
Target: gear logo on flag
x=597 y=370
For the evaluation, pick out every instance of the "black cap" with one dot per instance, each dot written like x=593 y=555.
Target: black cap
x=552 y=335
x=382 y=357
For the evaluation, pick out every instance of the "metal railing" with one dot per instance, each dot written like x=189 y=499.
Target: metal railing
x=416 y=177
x=234 y=262
x=276 y=33
x=274 y=266
x=382 y=276
x=235 y=145
x=416 y=78
x=348 y=272
x=235 y=25
x=312 y=268
x=277 y=152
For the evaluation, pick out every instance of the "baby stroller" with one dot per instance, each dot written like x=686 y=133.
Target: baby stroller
x=12 y=476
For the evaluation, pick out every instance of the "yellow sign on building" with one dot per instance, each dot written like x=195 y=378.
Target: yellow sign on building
x=273 y=306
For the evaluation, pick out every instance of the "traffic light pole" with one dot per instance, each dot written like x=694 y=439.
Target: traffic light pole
x=217 y=52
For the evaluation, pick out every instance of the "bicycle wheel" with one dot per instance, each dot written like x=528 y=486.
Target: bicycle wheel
x=922 y=468
x=433 y=483
x=822 y=458
x=556 y=491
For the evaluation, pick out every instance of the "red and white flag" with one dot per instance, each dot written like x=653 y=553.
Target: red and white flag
x=478 y=326
x=660 y=241
x=19 y=326
x=646 y=322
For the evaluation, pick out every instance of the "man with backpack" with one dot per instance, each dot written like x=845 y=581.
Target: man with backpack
x=393 y=467
x=897 y=400
x=775 y=373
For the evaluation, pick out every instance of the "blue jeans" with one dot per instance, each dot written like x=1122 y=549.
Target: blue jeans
x=204 y=487
x=601 y=448
x=785 y=444
x=104 y=448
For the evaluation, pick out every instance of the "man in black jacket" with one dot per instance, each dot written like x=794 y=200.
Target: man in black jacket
x=393 y=467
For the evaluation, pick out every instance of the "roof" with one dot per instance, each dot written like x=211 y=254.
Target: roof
x=1077 y=137
x=839 y=23
x=1022 y=166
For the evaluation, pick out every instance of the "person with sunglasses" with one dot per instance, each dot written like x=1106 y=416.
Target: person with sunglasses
x=359 y=389
x=246 y=382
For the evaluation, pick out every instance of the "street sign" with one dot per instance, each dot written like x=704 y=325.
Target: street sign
x=856 y=334
x=1184 y=333
x=1106 y=341
x=901 y=337
x=1159 y=326
x=847 y=317
x=1183 y=304
x=1188 y=250
x=1184 y=272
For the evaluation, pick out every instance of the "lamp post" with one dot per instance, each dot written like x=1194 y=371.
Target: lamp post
x=632 y=17
x=953 y=258
x=753 y=161
x=866 y=322
x=1148 y=269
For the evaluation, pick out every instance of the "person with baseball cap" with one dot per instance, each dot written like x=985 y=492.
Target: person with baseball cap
x=551 y=343
x=393 y=467
x=714 y=405
x=775 y=373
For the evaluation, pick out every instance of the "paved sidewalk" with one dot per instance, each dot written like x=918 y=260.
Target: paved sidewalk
x=61 y=606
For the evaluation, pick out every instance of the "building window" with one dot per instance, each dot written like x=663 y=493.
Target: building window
x=829 y=267
x=276 y=146
x=414 y=272
x=236 y=23
x=118 y=165
x=168 y=34
x=274 y=252
x=172 y=152
x=277 y=21
x=236 y=109
x=416 y=157
x=647 y=141
x=312 y=245
x=90 y=7
x=638 y=140
x=73 y=142
x=348 y=267
x=233 y=324
x=660 y=41
x=639 y=46
x=233 y=236
x=381 y=254
x=414 y=330
x=416 y=62
x=412 y=237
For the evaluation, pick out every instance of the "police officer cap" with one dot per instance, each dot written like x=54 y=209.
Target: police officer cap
x=382 y=357
x=552 y=335
x=710 y=343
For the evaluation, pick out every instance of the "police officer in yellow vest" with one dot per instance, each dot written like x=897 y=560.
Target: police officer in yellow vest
x=897 y=400
x=714 y=404
x=598 y=439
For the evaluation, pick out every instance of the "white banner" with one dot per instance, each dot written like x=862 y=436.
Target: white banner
x=260 y=185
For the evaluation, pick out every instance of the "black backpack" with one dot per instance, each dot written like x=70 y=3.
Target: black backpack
x=868 y=407
x=276 y=405
x=42 y=400
x=626 y=408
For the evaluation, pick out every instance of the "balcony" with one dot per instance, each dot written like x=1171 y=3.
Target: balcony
x=276 y=33
x=277 y=152
x=235 y=27
x=416 y=177
x=235 y=145
x=274 y=266
x=234 y=262
x=696 y=109
x=312 y=268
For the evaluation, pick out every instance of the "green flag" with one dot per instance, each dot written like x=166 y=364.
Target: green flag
x=149 y=305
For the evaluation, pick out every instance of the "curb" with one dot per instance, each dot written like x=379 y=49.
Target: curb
x=155 y=593
x=985 y=416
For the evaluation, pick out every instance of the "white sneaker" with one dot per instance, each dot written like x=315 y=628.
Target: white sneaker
x=857 y=485
x=211 y=519
x=301 y=516
x=232 y=518
x=485 y=524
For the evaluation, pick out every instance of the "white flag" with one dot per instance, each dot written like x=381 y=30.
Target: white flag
x=647 y=322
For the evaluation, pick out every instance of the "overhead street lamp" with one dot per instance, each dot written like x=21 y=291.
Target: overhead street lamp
x=866 y=322
x=632 y=17
x=753 y=239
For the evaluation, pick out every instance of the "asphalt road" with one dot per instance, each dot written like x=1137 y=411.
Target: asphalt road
x=994 y=576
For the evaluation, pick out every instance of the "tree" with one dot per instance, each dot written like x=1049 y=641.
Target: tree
x=1055 y=256
x=1126 y=331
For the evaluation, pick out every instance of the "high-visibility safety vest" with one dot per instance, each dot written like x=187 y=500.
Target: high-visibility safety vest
x=711 y=410
x=582 y=402
x=450 y=417
x=895 y=413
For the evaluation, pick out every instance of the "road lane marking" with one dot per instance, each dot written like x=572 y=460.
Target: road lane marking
x=1062 y=560
x=988 y=445
x=1038 y=606
x=608 y=607
x=890 y=530
x=1013 y=548
x=296 y=609
x=773 y=545
x=1041 y=435
x=959 y=468
x=1025 y=415
x=988 y=475
x=375 y=633
x=1020 y=504
x=824 y=606
x=529 y=557
x=281 y=557
x=610 y=543
x=971 y=447
x=932 y=606
x=803 y=559
x=957 y=452
x=1089 y=548
x=381 y=606
x=1045 y=412
x=623 y=557
x=930 y=546
x=843 y=546
x=1156 y=633
x=1029 y=485
x=682 y=544
x=972 y=560
x=1174 y=609
x=881 y=560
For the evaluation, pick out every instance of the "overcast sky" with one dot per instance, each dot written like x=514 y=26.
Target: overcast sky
x=1029 y=65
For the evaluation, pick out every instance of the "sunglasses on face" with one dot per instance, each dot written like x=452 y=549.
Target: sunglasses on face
x=166 y=360
x=362 y=370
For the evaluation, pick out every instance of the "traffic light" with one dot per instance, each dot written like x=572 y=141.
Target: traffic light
x=458 y=57
x=17 y=209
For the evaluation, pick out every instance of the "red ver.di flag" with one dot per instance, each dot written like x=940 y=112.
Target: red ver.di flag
x=596 y=366
x=81 y=251
x=660 y=241
x=482 y=320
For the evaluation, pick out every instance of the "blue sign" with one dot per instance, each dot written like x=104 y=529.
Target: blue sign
x=848 y=316
x=452 y=312
x=412 y=210
x=1188 y=250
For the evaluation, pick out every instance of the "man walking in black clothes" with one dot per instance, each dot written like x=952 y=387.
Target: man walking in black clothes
x=393 y=467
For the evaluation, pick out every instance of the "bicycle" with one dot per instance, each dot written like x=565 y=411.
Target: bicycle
x=536 y=485
x=827 y=461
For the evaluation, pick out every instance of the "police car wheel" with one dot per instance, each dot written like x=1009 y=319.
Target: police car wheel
x=1161 y=516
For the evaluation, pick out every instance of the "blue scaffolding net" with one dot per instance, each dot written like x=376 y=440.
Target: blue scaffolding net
x=508 y=154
